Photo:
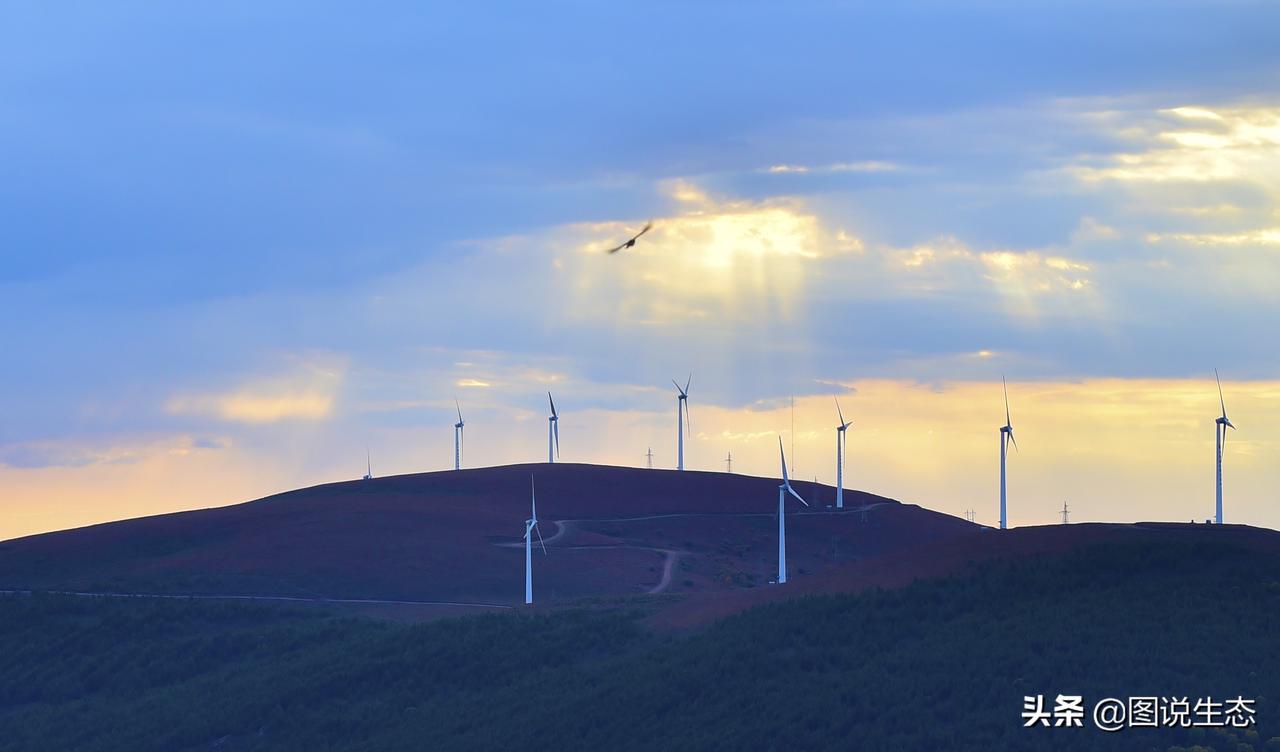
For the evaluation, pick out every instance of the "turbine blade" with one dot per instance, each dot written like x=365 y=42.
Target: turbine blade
x=556 y=431
x=688 y=382
x=1221 y=401
x=533 y=499
x=462 y=444
x=792 y=491
x=1015 y=441
x=1007 y=420
x=677 y=385
x=687 y=425
x=455 y=404
x=783 y=455
x=540 y=542
x=553 y=405
x=839 y=411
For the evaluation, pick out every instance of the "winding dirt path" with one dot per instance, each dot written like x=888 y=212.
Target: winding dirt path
x=667 y=566
x=670 y=555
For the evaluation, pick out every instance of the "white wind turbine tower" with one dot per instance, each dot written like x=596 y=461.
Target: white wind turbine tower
x=783 y=490
x=458 y=440
x=1006 y=436
x=1221 y=425
x=840 y=447
x=368 y=458
x=531 y=526
x=682 y=415
x=553 y=432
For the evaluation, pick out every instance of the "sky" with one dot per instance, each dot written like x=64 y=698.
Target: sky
x=241 y=242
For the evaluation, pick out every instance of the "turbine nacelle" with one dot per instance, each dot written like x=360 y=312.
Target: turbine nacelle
x=553 y=429
x=682 y=415
x=1007 y=428
x=843 y=423
x=786 y=481
x=531 y=524
x=684 y=390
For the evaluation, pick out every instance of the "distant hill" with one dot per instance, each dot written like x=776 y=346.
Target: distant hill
x=455 y=536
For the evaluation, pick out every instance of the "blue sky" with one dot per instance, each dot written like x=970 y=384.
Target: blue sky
x=242 y=241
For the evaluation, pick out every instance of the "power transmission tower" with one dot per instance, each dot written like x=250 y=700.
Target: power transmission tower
x=728 y=462
x=649 y=455
x=1065 y=513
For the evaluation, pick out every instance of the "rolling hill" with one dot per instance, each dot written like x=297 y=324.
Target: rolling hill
x=456 y=537
x=901 y=628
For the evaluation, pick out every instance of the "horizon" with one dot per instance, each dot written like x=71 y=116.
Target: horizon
x=236 y=258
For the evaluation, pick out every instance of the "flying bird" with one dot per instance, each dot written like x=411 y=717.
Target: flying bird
x=648 y=226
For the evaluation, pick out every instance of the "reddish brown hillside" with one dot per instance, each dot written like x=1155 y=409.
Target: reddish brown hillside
x=454 y=536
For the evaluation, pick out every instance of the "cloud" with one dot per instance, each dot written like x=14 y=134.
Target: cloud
x=205 y=442
x=949 y=264
x=82 y=452
x=309 y=393
x=711 y=258
x=864 y=166
x=1190 y=144
x=1268 y=236
x=41 y=455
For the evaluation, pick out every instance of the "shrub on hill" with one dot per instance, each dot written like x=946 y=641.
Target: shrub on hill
x=941 y=664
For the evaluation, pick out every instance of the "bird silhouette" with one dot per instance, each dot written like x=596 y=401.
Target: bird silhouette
x=634 y=238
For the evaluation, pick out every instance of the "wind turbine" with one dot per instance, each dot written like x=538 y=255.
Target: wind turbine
x=783 y=490
x=840 y=447
x=368 y=458
x=458 y=440
x=1220 y=433
x=553 y=432
x=682 y=422
x=530 y=527
x=1006 y=436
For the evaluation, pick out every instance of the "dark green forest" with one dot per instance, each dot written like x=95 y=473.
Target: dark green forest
x=942 y=664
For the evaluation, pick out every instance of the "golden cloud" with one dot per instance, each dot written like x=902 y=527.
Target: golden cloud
x=1193 y=144
x=308 y=394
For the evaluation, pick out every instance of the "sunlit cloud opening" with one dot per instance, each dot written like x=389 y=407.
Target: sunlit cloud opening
x=307 y=394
